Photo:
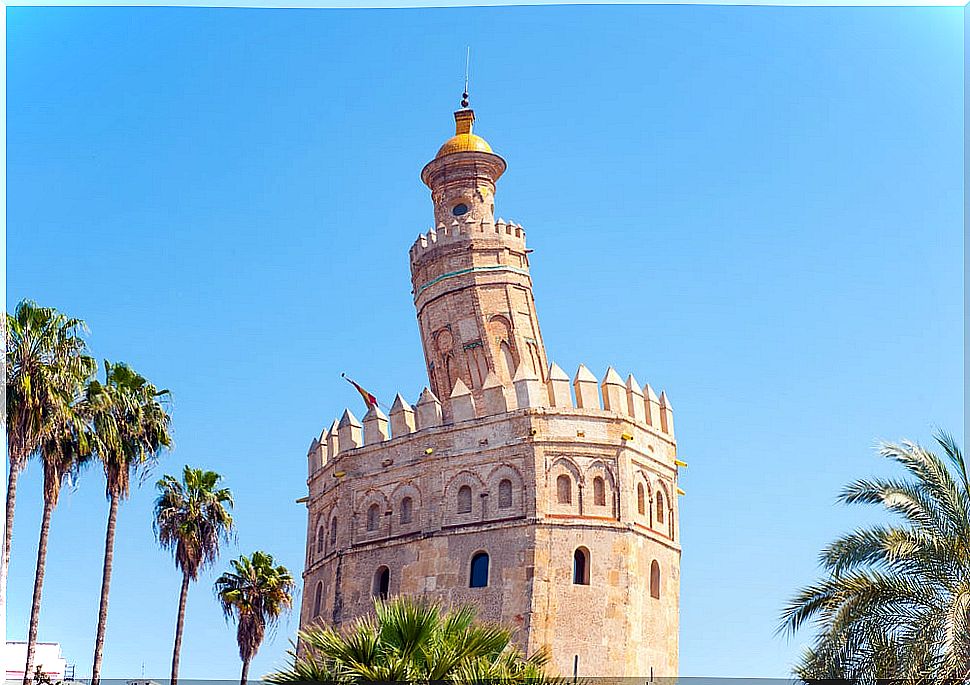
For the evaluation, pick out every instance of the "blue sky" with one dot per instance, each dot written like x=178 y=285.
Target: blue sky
x=757 y=209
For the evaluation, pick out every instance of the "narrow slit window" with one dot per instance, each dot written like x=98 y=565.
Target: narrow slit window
x=581 y=566
x=406 y=510
x=317 y=599
x=505 y=494
x=655 y=579
x=373 y=517
x=464 y=499
x=564 y=489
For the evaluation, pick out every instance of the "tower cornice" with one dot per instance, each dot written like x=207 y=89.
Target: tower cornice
x=457 y=168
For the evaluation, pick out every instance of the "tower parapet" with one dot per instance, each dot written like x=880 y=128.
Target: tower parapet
x=507 y=233
x=609 y=396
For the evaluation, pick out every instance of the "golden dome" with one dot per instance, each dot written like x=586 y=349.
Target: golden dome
x=464 y=140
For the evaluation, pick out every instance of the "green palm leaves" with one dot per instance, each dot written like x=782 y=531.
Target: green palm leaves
x=47 y=365
x=413 y=641
x=255 y=593
x=896 y=600
x=129 y=424
x=192 y=520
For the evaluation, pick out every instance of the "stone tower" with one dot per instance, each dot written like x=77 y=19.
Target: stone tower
x=550 y=505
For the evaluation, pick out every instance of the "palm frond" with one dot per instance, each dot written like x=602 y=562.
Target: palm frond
x=408 y=640
x=192 y=518
x=895 y=599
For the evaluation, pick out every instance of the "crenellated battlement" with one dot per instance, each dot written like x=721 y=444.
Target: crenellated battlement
x=466 y=230
x=610 y=395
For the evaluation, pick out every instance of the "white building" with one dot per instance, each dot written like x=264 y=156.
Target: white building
x=47 y=656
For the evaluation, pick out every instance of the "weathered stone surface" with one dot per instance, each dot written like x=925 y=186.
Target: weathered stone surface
x=402 y=417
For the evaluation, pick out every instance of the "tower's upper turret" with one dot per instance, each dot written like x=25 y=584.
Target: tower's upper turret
x=463 y=174
x=470 y=273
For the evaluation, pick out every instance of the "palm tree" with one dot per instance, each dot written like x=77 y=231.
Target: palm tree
x=63 y=451
x=896 y=599
x=192 y=519
x=255 y=593
x=413 y=641
x=46 y=359
x=129 y=426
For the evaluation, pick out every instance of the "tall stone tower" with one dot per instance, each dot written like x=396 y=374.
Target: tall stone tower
x=550 y=505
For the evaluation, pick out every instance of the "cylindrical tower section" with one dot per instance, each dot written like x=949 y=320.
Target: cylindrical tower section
x=470 y=274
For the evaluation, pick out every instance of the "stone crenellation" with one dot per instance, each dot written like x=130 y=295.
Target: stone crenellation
x=459 y=230
x=611 y=394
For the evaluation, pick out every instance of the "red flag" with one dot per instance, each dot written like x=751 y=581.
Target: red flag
x=369 y=399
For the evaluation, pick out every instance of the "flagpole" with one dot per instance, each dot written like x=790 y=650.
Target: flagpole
x=363 y=392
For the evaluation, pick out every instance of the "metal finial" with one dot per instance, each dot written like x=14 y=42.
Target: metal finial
x=464 y=95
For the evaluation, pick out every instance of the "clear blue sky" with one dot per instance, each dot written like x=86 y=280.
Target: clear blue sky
x=757 y=209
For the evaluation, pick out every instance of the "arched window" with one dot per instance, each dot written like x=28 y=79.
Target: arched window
x=536 y=364
x=507 y=358
x=464 y=499
x=382 y=582
x=660 y=507
x=321 y=539
x=406 y=505
x=333 y=531
x=641 y=508
x=564 y=489
x=581 y=566
x=499 y=331
x=599 y=492
x=373 y=516
x=317 y=599
x=478 y=576
x=504 y=494
x=655 y=579
x=450 y=371
x=477 y=366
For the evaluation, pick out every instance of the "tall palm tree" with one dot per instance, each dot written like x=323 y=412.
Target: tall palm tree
x=192 y=519
x=413 y=641
x=46 y=359
x=63 y=451
x=896 y=599
x=129 y=426
x=255 y=593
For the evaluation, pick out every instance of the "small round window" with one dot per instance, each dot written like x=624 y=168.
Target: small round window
x=459 y=209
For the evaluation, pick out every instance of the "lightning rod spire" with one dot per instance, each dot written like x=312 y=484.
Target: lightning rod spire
x=464 y=95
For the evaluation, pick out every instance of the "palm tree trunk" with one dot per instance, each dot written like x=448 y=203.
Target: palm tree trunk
x=245 y=672
x=8 y=535
x=180 y=621
x=45 y=527
x=109 y=555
